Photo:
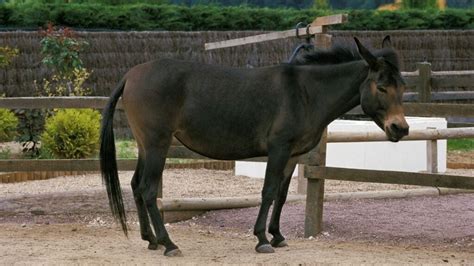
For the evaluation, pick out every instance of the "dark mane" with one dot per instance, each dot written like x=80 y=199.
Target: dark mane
x=338 y=54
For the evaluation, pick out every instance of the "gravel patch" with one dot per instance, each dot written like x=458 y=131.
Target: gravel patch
x=184 y=183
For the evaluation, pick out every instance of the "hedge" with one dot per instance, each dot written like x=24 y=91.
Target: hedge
x=195 y=18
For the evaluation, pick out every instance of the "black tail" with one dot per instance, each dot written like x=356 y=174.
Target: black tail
x=108 y=162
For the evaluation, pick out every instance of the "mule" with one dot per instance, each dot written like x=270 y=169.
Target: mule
x=233 y=113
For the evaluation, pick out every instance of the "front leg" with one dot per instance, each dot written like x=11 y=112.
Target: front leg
x=278 y=156
x=274 y=228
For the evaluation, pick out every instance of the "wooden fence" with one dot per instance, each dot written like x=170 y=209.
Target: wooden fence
x=314 y=162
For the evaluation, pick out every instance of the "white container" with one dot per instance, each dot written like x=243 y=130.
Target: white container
x=408 y=156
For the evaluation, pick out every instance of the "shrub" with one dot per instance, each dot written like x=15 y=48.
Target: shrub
x=214 y=17
x=72 y=134
x=8 y=125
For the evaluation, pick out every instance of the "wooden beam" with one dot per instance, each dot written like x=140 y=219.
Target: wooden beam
x=390 y=177
x=31 y=165
x=330 y=20
x=431 y=109
x=55 y=102
x=439 y=109
x=423 y=134
x=316 y=27
x=452 y=78
x=194 y=204
x=263 y=38
x=441 y=96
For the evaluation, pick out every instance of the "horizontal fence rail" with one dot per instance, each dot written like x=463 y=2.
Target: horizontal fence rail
x=179 y=151
x=55 y=102
x=390 y=177
x=98 y=102
x=431 y=110
x=425 y=134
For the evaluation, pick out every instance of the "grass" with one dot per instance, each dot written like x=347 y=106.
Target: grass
x=126 y=149
x=5 y=153
x=461 y=144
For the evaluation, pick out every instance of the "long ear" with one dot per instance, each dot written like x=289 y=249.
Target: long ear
x=368 y=56
x=386 y=43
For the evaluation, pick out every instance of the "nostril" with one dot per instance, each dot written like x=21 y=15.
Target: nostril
x=399 y=129
x=394 y=127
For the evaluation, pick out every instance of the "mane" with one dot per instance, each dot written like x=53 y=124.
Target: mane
x=339 y=54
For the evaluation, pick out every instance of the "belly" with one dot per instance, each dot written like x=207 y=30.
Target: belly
x=221 y=147
x=223 y=134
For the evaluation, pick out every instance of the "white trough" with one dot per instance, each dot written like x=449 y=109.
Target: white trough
x=409 y=156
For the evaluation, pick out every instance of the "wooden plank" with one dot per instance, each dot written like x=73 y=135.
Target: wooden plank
x=424 y=134
x=31 y=165
x=55 y=102
x=194 y=204
x=330 y=20
x=316 y=27
x=452 y=78
x=430 y=109
x=441 y=96
x=390 y=177
x=262 y=38
x=439 y=109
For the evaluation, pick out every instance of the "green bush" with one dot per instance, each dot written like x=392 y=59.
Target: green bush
x=72 y=134
x=8 y=125
x=214 y=17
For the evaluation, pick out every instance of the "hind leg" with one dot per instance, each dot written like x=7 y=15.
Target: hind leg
x=155 y=157
x=145 y=229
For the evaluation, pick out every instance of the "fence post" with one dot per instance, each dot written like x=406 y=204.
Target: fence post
x=424 y=96
x=424 y=82
x=313 y=223
x=432 y=155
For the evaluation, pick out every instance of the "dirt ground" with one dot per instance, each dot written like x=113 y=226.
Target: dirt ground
x=82 y=244
x=67 y=220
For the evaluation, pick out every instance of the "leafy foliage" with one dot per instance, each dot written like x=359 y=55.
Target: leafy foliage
x=8 y=124
x=6 y=55
x=72 y=134
x=61 y=50
x=214 y=17
x=419 y=4
x=30 y=126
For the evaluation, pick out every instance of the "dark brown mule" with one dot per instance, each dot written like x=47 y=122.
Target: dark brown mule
x=231 y=113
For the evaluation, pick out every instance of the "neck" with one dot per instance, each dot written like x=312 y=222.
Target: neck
x=335 y=90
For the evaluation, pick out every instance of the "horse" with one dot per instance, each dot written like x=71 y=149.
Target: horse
x=228 y=113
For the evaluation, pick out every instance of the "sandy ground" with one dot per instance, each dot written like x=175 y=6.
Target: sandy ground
x=81 y=244
x=67 y=220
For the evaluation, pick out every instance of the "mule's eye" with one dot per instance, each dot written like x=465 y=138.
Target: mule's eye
x=381 y=89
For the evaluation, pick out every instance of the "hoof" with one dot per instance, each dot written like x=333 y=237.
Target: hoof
x=266 y=248
x=174 y=253
x=280 y=244
x=154 y=246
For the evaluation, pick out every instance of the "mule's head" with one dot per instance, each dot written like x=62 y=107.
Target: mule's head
x=382 y=91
